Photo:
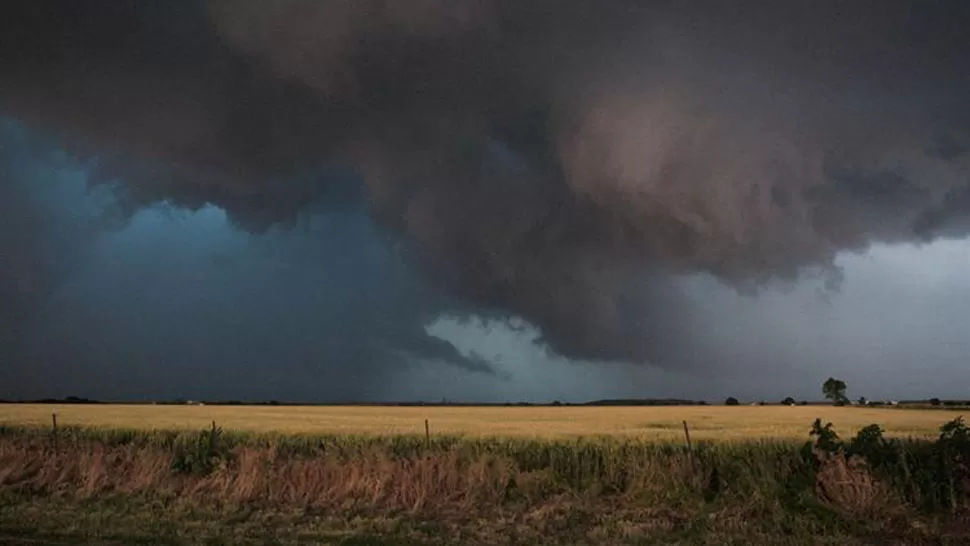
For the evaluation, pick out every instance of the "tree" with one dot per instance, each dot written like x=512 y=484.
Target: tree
x=731 y=401
x=862 y=400
x=834 y=390
x=788 y=401
x=934 y=401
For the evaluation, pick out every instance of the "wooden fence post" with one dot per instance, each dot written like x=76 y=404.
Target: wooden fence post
x=690 y=448
x=54 y=429
x=427 y=433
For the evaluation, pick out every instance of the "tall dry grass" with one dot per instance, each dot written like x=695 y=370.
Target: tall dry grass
x=606 y=485
x=373 y=479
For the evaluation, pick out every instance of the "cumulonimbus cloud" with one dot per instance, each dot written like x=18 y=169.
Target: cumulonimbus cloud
x=556 y=160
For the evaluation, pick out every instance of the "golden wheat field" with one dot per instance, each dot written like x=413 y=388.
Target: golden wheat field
x=660 y=423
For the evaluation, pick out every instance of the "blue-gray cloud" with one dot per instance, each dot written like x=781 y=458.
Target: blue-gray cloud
x=170 y=302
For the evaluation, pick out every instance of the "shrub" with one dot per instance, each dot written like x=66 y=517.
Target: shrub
x=203 y=456
x=825 y=436
x=732 y=401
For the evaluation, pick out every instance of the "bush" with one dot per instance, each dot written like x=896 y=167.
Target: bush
x=825 y=436
x=732 y=401
x=788 y=401
x=934 y=476
x=204 y=455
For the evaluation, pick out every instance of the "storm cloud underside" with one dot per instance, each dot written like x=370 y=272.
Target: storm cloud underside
x=560 y=161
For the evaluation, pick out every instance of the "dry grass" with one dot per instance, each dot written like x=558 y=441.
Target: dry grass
x=659 y=423
x=260 y=489
x=485 y=496
x=372 y=481
x=473 y=498
x=848 y=484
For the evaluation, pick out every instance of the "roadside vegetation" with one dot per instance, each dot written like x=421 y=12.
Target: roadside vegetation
x=105 y=486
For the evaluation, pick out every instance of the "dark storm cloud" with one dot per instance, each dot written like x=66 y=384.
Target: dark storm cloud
x=319 y=312
x=557 y=160
x=39 y=244
x=18 y=255
x=158 y=306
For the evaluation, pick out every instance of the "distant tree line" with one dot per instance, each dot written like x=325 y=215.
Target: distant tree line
x=834 y=390
x=66 y=400
x=648 y=402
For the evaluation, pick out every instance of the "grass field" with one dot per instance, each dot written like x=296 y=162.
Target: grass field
x=660 y=423
x=353 y=476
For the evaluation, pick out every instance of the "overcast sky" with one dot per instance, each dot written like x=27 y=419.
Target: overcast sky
x=177 y=303
x=483 y=199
